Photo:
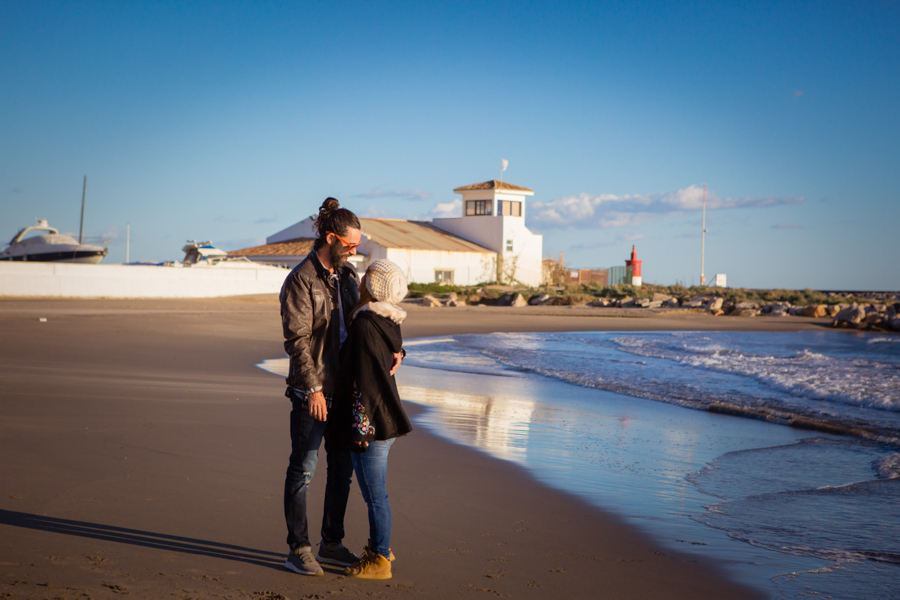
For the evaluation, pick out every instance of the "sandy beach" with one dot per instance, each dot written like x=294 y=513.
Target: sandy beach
x=144 y=454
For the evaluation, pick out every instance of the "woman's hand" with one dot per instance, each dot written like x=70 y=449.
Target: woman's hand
x=363 y=444
x=398 y=358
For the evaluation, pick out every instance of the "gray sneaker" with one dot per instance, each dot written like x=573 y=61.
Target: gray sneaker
x=337 y=554
x=303 y=562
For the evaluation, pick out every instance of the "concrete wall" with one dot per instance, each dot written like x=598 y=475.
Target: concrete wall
x=492 y=232
x=469 y=268
x=131 y=281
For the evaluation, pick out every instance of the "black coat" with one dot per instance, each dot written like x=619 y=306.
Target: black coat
x=367 y=402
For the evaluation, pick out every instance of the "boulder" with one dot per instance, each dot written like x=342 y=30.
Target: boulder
x=627 y=300
x=430 y=301
x=653 y=304
x=745 y=312
x=778 y=309
x=671 y=303
x=599 y=302
x=696 y=302
x=852 y=315
x=746 y=305
x=816 y=311
x=539 y=299
x=715 y=304
x=895 y=323
x=450 y=296
x=519 y=301
x=660 y=297
x=832 y=310
x=873 y=318
x=506 y=299
x=797 y=311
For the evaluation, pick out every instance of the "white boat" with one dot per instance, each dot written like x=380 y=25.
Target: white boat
x=204 y=254
x=52 y=246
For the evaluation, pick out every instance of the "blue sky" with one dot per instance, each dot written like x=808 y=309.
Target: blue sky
x=232 y=120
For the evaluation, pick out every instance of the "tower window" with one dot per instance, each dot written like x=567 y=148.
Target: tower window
x=478 y=207
x=510 y=208
x=509 y=246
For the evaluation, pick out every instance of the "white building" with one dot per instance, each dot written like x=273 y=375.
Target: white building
x=494 y=217
x=488 y=243
x=426 y=253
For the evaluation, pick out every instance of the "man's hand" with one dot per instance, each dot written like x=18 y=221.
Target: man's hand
x=398 y=358
x=317 y=407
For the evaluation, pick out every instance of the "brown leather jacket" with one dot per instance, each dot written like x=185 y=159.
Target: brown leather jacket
x=311 y=323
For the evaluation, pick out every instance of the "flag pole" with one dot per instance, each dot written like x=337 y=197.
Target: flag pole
x=703 y=240
x=81 y=227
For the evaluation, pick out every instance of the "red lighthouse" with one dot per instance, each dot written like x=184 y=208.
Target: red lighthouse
x=633 y=269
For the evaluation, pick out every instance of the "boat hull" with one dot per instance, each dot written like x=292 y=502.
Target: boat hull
x=91 y=257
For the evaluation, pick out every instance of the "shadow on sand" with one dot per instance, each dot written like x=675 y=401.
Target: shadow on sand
x=147 y=539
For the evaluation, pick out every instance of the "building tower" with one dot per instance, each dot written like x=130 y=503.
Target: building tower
x=633 y=269
x=494 y=217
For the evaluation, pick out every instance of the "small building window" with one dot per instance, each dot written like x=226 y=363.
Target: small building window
x=444 y=276
x=509 y=246
x=508 y=208
x=478 y=207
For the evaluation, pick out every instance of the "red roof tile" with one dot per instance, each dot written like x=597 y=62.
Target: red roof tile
x=295 y=247
x=493 y=184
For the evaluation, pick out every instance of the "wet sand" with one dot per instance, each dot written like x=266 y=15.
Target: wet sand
x=144 y=454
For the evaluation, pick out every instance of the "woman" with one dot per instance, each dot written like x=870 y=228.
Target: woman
x=373 y=416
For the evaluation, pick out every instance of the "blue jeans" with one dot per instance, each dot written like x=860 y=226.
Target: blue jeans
x=306 y=437
x=371 y=473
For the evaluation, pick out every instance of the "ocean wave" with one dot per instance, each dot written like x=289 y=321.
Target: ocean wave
x=778 y=521
x=888 y=467
x=857 y=382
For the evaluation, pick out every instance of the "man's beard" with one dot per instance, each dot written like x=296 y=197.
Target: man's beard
x=338 y=258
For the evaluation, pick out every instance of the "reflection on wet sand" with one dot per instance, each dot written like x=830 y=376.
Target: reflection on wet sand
x=499 y=426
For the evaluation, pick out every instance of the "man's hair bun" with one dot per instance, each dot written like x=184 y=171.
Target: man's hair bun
x=329 y=205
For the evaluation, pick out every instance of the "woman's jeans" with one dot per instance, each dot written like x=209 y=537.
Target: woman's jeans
x=371 y=473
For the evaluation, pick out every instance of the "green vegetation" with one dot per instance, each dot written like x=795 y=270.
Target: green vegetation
x=417 y=290
x=575 y=294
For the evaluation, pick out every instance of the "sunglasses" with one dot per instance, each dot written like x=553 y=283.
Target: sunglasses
x=345 y=242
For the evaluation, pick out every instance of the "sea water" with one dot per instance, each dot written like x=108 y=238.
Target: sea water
x=686 y=435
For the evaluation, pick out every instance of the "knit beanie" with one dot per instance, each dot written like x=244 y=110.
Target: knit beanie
x=385 y=281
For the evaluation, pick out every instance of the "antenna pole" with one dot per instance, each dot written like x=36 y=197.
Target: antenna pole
x=127 y=243
x=81 y=227
x=703 y=240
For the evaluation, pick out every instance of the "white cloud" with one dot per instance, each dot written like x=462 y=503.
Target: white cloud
x=399 y=193
x=585 y=211
x=373 y=212
x=447 y=210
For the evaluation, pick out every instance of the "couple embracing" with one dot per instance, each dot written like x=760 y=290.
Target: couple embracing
x=343 y=339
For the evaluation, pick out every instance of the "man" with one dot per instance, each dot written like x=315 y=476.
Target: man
x=316 y=300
